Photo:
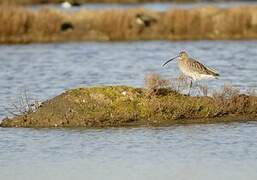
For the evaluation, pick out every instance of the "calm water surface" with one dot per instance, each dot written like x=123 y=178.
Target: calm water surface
x=196 y=152
x=220 y=151
x=150 y=6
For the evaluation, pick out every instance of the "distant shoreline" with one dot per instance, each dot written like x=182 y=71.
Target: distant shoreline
x=77 y=2
x=20 y=25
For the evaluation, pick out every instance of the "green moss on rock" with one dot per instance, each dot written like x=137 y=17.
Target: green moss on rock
x=125 y=106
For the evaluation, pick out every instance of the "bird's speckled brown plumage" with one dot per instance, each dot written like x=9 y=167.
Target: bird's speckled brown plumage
x=194 y=66
x=195 y=69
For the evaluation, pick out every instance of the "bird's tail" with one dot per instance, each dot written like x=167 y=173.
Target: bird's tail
x=214 y=72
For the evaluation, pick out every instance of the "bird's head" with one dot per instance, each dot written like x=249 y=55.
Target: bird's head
x=180 y=56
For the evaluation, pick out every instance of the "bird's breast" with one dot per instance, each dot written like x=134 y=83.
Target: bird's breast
x=186 y=70
x=183 y=68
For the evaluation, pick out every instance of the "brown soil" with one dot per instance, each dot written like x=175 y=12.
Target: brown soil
x=125 y=106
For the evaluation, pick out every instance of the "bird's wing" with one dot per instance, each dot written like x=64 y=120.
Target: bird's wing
x=213 y=71
x=200 y=68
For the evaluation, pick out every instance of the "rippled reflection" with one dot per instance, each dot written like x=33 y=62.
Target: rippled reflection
x=197 y=152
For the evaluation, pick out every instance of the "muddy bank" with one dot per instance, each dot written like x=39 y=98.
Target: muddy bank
x=24 y=26
x=127 y=106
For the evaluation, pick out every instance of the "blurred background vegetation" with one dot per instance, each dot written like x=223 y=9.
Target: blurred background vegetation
x=24 y=2
x=26 y=24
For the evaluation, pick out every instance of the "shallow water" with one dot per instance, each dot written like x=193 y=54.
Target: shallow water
x=220 y=151
x=45 y=70
x=150 y=6
x=196 y=152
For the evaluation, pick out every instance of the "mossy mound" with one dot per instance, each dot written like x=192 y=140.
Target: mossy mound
x=126 y=106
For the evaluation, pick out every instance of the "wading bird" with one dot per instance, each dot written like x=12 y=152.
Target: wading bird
x=145 y=20
x=66 y=5
x=193 y=69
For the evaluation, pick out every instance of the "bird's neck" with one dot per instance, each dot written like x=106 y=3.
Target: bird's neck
x=183 y=59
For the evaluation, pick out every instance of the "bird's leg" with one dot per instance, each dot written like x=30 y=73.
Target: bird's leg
x=191 y=84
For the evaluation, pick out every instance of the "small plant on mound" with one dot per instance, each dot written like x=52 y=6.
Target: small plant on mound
x=24 y=105
x=230 y=100
x=155 y=83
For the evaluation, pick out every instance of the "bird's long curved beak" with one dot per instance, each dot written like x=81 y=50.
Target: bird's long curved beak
x=169 y=61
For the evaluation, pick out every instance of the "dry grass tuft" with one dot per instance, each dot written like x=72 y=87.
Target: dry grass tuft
x=24 y=105
x=155 y=85
x=14 y=21
x=20 y=25
x=227 y=92
x=229 y=100
x=203 y=89
x=155 y=81
x=180 y=84
x=23 y=25
x=251 y=92
x=46 y=22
